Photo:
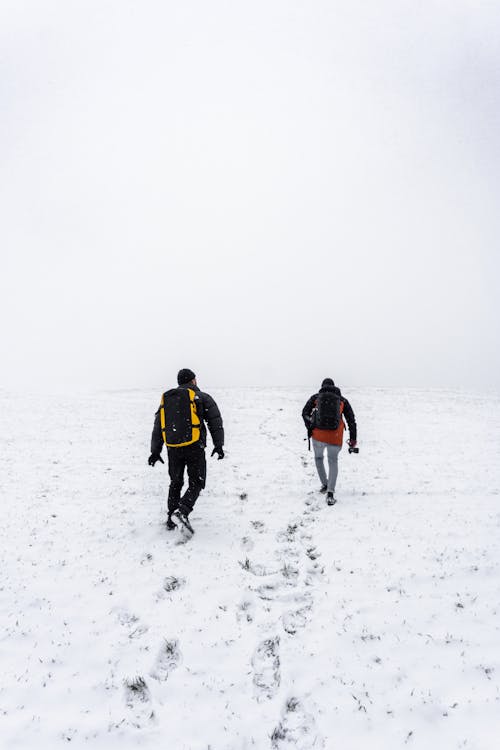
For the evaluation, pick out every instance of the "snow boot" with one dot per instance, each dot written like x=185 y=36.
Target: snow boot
x=323 y=489
x=183 y=519
x=330 y=499
x=170 y=524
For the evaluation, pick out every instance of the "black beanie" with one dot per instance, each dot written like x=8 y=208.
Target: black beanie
x=185 y=376
x=327 y=381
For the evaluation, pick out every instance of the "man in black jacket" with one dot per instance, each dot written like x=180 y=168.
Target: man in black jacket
x=190 y=457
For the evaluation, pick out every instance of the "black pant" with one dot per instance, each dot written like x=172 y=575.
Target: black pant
x=191 y=457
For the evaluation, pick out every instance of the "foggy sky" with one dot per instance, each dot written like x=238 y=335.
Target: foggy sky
x=267 y=192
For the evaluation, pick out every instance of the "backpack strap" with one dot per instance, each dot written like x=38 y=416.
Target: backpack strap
x=195 y=420
x=162 y=418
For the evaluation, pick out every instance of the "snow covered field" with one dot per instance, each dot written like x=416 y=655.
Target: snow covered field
x=282 y=623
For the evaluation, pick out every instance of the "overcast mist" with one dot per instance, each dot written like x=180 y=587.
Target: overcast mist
x=265 y=192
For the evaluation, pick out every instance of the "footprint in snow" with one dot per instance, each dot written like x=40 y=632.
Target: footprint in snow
x=312 y=553
x=268 y=590
x=258 y=526
x=247 y=543
x=266 y=668
x=289 y=534
x=310 y=513
x=184 y=536
x=312 y=502
x=290 y=573
x=314 y=573
x=138 y=702
x=279 y=592
x=305 y=537
x=172 y=583
x=246 y=611
x=131 y=621
x=255 y=568
x=169 y=657
x=297 y=729
x=287 y=553
x=138 y=631
x=294 y=620
x=125 y=617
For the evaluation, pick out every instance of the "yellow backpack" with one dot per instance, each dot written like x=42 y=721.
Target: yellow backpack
x=180 y=423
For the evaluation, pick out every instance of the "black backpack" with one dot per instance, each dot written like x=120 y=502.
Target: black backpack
x=180 y=423
x=328 y=413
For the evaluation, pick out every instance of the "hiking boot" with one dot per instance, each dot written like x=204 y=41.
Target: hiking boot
x=183 y=518
x=323 y=489
x=170 y=524
x=330 y=500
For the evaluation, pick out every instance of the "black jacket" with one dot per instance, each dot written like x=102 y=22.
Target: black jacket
x=208 y=412
x=348 y=413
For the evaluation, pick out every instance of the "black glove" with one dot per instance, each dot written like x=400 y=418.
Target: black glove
x=154 y=457
x=219 y=451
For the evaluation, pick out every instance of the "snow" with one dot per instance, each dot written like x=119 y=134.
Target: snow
x=282 y=623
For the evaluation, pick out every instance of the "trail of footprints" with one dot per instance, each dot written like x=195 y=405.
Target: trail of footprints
x=138 y=699
x=279 y=601
x=281 y=598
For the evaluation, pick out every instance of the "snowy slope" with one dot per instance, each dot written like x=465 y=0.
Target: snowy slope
x=282 y=623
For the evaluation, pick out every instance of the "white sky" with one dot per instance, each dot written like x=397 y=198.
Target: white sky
x=266 y=192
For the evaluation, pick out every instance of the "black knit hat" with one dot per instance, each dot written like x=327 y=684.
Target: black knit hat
x=185 y=376
x=327 y=381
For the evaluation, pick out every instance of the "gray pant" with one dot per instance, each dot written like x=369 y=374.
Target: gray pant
x=333 y=467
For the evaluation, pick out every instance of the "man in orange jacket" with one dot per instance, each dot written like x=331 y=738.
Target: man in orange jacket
x=324 y=415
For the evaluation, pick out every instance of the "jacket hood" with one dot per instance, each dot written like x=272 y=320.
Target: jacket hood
x=330 y=389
